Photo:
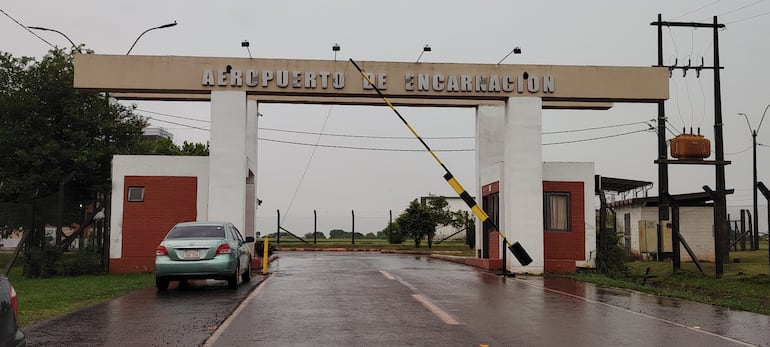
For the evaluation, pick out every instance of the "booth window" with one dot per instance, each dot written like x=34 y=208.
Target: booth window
x=556 y=211
x=135 y=194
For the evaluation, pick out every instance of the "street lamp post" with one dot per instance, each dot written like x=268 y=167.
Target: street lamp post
x=515 y=50
x=150 y=29
x=754 y=132
x=58 y=32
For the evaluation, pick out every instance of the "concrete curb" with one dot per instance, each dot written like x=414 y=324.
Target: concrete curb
x=256 y=262
x=452 y=258
x=380 y=250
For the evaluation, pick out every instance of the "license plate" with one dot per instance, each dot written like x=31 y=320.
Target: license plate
x=191 y=254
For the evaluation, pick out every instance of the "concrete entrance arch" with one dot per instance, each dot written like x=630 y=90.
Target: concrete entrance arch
x=508 y=100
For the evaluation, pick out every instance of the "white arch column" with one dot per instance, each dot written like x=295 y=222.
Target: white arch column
x=521 y=186
x=252 y=122
x=490 y=139
x=228 y=169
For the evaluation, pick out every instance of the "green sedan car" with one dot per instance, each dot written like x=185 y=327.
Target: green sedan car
x=203 y=250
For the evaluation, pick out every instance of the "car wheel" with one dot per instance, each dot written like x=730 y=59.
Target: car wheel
x=161 y=283
x=232 y=282
x=247 y=275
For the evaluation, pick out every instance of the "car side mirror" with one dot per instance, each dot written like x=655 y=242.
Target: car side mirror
x=249 y=239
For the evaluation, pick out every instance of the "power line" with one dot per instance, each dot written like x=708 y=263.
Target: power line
x=415 y=150
x=595 y=138
x=405 y=150
x=740 y=8
x=741 y=151
x=180 y=124
x=363 y=148
x=386 y=137
x=670 y=126
x=174 y=116
x=310 y=160
x=747 y=18
x=366 y=136
x=27 y=29
x=697 y=9
x=593 y=128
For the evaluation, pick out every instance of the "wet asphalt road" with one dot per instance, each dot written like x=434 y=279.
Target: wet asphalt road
x=371 y=299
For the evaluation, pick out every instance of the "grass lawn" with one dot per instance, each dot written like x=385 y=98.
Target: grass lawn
x=744 y=285
x=45 y=298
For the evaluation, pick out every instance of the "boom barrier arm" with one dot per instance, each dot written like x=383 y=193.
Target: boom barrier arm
x=518 y=251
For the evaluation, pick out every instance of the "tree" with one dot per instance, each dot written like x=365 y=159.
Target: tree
x=319 y=236
x=52 y=135
x=339 y=234
x=440 y=215
x=56 y=139
x=416 y=222
x=392 y=233
x=419 y=221
x=164 y=146
x=48 y=129
x=463 y=220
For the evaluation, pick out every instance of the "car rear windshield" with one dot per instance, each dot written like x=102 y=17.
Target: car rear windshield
x=196 y=231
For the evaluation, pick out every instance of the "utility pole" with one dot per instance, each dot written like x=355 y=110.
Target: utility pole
x=720 y=205
x=721 y=227
x=754 y=188
x=755 y=226
x=662 y=156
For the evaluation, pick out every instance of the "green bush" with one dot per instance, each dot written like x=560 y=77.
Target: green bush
x=393 y=233
x=87 y=261
x=610 y=259
x=41 y=262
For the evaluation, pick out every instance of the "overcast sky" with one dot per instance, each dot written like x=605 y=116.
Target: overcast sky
x=336 y=180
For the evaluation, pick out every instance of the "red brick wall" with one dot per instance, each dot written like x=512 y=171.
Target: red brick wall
x=494 y=245
x=491 y=188
x=562 y=249
x=167 y=201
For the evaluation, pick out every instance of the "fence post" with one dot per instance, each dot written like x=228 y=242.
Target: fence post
x=743 y=229
x=353 y=233
x=390 y=227
x=278 y=230
x=315 y=227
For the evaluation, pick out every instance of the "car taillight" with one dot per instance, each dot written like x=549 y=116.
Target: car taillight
x=224 y=249
x=14 y=302
x=161 y=250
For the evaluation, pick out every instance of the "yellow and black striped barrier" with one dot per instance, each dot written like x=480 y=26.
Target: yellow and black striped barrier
x=487 y=224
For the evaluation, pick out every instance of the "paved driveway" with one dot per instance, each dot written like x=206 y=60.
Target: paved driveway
x=372 y=299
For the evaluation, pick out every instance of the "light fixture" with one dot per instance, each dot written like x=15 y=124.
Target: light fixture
x=58 y=32
x=335 y=49
x=515 y=50
x=425 y=48
x=150 y=29
x=245 y=43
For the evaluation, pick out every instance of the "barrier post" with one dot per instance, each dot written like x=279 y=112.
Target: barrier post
x=264 y=257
